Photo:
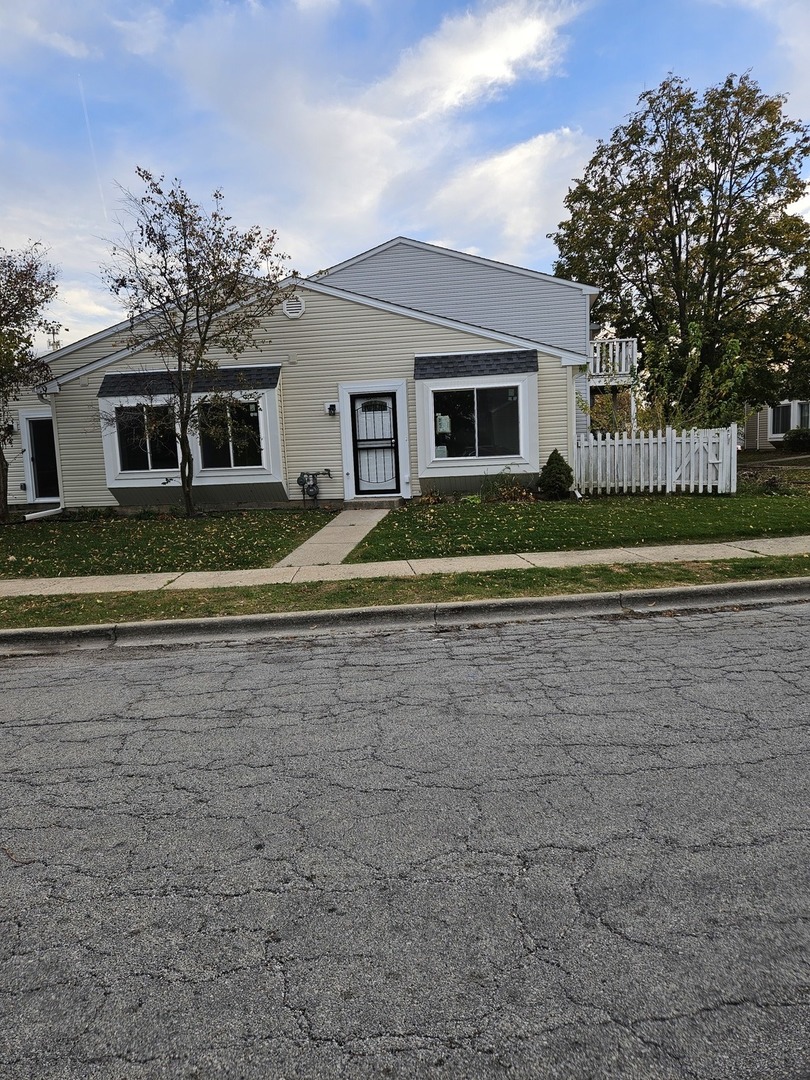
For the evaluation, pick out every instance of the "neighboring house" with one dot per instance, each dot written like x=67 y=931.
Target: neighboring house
x=766 y=428
x=407 y=367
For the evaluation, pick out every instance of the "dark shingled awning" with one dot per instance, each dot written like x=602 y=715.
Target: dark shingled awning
x=450 y=365
x=154 y=383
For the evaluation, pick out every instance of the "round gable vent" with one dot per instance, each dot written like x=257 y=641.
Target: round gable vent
x=293 y=307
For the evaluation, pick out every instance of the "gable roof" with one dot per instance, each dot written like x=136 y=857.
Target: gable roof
x=566 y=357
x=588 y=290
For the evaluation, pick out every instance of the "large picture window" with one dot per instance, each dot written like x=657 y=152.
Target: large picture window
x=476 y=423
x=781 y=419
x=230 y=436
x=790 y=414
x=146 y=437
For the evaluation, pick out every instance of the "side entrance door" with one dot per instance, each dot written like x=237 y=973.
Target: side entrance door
x=42 y=459
x=375 y=445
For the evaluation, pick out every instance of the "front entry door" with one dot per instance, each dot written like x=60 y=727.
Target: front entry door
x=43 y=458
x=374 y=437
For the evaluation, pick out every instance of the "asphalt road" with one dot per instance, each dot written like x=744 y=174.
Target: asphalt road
x=568 y=849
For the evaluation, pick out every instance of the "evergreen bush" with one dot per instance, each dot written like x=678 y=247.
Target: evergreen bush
x=556 y=477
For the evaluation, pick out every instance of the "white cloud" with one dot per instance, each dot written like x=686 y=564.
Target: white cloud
x=39 y=23
x=242 y=94
x=509 y=202
x=352 y=164
x=791 y=19
x=81 y=29
x=317 y=6
x=145 y=34
x=473 y=56
x=83 y=310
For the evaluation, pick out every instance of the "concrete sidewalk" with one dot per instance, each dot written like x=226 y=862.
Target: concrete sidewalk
x=319 y=559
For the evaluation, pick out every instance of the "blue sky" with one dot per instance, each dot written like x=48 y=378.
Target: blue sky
x=342 y=123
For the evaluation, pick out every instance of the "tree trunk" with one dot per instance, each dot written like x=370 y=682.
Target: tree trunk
x=186 y=474
x=5 y=517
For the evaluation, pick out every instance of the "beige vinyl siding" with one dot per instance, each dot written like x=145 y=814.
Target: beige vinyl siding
x=496 y=297
x=751 y=434
x=59 y=365
x=14 y=453
x=763 y=442
x=555 y=408
x=84 y=482
x=339 y=341
x=96 y=348
x=335 y=341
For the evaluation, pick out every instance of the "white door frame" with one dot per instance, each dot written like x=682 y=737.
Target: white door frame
x=346 y=391
x=28 y=464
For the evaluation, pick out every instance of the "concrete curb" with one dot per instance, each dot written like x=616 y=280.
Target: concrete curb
x=236 y=628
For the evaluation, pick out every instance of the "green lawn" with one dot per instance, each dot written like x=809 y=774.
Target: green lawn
x=71 y=547
x=472 y=528
x=112 y=608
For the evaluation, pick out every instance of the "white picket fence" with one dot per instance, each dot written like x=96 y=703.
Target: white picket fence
x=697 y=460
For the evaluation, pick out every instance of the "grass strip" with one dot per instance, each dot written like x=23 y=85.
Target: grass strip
x=29 y=611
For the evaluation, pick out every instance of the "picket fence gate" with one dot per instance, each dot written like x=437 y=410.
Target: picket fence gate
x=697 y=460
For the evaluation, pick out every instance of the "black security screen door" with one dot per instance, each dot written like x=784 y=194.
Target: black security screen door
x=43 y=458
x=374 y=432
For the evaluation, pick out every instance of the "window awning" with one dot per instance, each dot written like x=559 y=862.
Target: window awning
x=452 y=365
x=150 y=384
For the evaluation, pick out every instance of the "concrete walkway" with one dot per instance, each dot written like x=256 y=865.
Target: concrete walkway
x=319 y=559
x=331 y=544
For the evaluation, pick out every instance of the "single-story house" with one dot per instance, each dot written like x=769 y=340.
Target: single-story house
x=407 y=367
x=766 y=429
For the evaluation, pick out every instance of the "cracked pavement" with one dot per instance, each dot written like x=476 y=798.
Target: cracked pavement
x=571 y=848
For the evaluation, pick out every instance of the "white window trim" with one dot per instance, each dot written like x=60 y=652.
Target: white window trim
x=528 y=460
x=794 y=418
x=269 y=427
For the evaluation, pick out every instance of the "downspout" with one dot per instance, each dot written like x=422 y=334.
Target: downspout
x=44 y=513
x=46 y=399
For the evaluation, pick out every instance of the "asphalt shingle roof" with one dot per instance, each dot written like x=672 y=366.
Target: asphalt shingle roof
x=154 y=383
x=451 y=365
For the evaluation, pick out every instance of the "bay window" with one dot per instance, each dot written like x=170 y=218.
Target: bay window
x=237 y=441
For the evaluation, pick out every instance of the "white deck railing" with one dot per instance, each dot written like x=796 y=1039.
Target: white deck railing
x=613 y=358
x=697 y=460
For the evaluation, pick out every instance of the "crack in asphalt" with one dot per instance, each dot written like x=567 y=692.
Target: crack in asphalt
x=520 y=850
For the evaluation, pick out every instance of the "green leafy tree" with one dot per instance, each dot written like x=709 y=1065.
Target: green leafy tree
x=27 y=287
x=793 y=335
x=685 y=220
x=195 y=289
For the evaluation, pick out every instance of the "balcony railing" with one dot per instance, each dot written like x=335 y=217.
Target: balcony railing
x=613 y=360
